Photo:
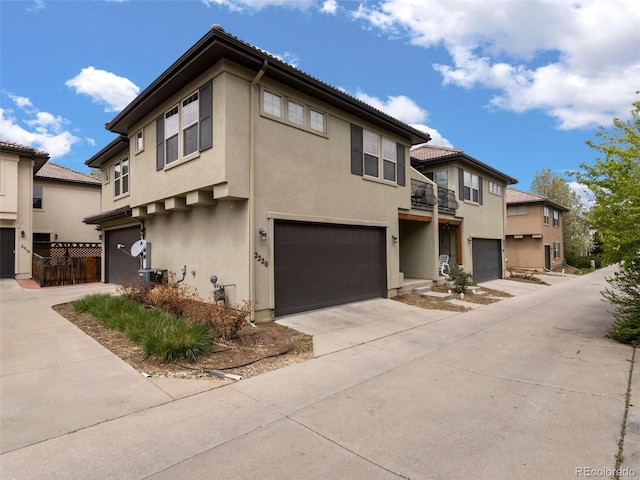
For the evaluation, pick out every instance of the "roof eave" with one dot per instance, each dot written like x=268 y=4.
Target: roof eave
x=466 y=159
x=115 y=147
x=216 y=45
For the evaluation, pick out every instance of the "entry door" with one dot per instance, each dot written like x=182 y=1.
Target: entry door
x=8 y=252
x=547 y=257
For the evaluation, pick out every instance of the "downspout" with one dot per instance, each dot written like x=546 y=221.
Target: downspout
x=252 y=190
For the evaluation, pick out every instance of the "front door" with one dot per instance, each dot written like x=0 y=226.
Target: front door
x=547 y=257
x=7 y=252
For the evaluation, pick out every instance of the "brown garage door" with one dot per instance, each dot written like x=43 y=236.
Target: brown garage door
x=487 y=259
x=318 y=265
x=120 y=267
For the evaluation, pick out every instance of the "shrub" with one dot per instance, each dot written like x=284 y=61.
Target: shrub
x=163 y=336
x=460 y=279
x=226 y=321
x=625 y=296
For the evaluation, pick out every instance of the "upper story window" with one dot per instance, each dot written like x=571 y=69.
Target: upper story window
x=495 y=188
x=139 y=141
x=186 y=128
x=375 y=156
x=471 y=187
x=37 y=196
x=545 y=215
x=520 y=210
x=293 y=112
x=556 y=218
x=121 y=177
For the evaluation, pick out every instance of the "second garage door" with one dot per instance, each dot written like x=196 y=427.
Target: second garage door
x=487 y=259
x=319 y=265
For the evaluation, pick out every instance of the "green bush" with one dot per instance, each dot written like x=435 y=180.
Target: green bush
x=625 y=296
x=161 y=335
x=460 y=279
x=582 y=262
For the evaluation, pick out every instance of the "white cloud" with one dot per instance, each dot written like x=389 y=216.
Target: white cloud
x=584 y=194
x=578 y=61
x=104 y=88
x=41 y=130
x=329 y=7
x=406 y=110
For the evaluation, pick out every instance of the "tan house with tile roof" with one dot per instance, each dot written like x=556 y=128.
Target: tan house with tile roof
x=62 y=198
x=534 y=233
x=235 y=164
x=18 y=164
x=471 y=209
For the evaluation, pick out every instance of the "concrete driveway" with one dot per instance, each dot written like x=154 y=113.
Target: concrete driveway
x=525 y=388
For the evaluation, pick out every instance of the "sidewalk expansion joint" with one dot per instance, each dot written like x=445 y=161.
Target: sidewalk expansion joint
x=623 y=430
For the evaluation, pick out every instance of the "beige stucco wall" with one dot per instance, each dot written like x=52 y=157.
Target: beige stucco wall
x=299 y=175
x=65 y=204
x=16 y=202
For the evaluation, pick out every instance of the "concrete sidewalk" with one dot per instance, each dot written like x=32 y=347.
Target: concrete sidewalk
x=528 y=387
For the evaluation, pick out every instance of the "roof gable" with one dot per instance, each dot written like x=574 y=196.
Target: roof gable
x=52 y=171
x=217 y=44
x=514 y=196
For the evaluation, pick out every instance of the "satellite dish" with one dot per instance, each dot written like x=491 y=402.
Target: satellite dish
x=138 y=247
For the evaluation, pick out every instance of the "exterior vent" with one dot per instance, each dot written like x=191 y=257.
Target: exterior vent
x=152 y=276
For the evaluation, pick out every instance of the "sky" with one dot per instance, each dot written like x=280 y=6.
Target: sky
x=519 y=85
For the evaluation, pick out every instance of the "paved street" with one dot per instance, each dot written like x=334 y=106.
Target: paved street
x=525 y=388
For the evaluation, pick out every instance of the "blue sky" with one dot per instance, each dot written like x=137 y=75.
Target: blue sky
x=519 y=85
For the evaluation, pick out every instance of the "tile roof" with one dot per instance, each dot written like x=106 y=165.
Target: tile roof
x=18 y=146
x=51 y=171
x=428 y=152
x=518 y=196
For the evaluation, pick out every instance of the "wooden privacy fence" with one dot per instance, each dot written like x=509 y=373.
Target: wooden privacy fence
x=66 y=263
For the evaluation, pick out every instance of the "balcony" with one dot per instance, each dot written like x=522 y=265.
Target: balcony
x=447 y=202
x=422 y=196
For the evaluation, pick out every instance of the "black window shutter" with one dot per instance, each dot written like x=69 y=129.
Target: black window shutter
x=460 y=184
x=160 y=142
x=480 y=190
x=356 y=150
x=206 y=121
x=400 y=161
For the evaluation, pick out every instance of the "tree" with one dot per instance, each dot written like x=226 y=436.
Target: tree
x=576 y=229
x=614 y=180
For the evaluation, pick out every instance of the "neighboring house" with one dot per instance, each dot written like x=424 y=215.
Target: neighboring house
x=18 y=164
x=62 y=198
x=292 y=193
x=534 y=231
x=471 y=206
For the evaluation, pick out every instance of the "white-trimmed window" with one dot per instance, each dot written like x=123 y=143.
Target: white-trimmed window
x=293 y=112
x=512 y=211
x=471 y=189
x=522 y=210
x=495 y=188
x=37 y=196
x=389 y=153
x=556 y=250
x=371 y=147
x=317 y=122
x=296 y=112
x=545 y=215
x=139 y=141
x=121 y=177
x=272 y=104
x=190 y=117
x=556 y=218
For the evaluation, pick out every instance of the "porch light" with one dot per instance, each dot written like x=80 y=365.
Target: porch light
x=263 y=234
x=470 y=240
x=394 y=238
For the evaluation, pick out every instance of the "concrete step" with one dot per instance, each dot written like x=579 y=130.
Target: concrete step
x=477 y=291
x=410 y=285
x=439 y=295
x=421 y=290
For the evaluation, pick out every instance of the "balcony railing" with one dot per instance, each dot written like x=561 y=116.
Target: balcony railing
x=422 y=196
x=447 y=202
